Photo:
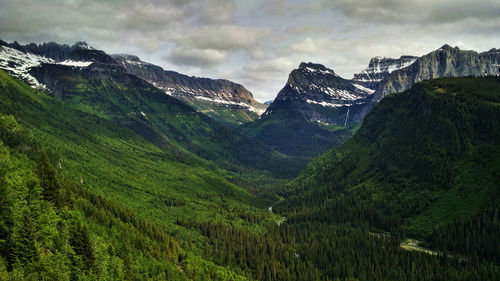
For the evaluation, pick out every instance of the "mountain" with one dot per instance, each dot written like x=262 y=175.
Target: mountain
x=105 y=177
x=51 y=50
x=96 y=198
x=443 y=62
x=94 y=82
x=317 y=109
x=424 y=160
x=226 y=101
x=314 y=93
x=379 y=68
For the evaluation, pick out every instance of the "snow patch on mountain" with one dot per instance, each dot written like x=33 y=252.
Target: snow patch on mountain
x=76 y=63
x=18 y=64
x=226 y=102
x=320 y=71
x=324 y=103
x=364 y=89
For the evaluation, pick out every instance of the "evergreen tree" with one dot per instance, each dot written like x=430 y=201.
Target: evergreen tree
x=48 y=180
x=22 y=243
x=82 y=245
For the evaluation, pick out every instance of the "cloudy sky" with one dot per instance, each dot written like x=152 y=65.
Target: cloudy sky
x=256 y=42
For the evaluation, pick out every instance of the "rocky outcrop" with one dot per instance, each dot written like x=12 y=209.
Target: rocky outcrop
x=379 y=68
x=315 y=111
x=443 y=62
x=51 y=50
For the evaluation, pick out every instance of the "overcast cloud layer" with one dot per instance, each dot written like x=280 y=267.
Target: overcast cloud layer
x=256 y=43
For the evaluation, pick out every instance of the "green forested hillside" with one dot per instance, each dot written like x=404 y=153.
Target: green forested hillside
x=116 y=182
x=424 y=160
x=84 y=196
x=292 y=134
x=106 y=91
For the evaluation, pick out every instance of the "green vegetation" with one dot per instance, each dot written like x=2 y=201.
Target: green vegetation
x=95 y=157
x=425 y=161
x=229 y=115
x=91 y=189
x=291 y=134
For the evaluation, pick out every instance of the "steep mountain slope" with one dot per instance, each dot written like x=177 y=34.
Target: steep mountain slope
x=221 y=99
x=444 y=62
x=51 y=50
x=163 y=214
x=315 y=111
x=422 y=159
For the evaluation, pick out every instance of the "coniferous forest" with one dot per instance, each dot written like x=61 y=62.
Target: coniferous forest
x=342 y=218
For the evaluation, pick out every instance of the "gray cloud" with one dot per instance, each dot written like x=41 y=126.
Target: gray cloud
x=196 y=57
x=256 y=43
x=222 y=37
x=420 y=11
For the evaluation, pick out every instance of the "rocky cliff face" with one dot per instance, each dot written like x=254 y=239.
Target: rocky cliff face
x=444 y=62
x=315 y=111
x=19 y=60
x=51 y=50
x=225 y=100
x=221 y=99
x=379 y=68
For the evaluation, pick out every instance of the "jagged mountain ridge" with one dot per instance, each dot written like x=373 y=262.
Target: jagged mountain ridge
x=316 y=110
x=216 y=97
x=314 y=91
x=381 y=67
x=51 y=50
x=443 y=62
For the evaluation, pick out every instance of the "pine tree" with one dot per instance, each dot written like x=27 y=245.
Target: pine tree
x=48 y=180
x=22 y=247
x=82 y=245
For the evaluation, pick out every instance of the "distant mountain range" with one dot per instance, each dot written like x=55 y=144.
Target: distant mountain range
x=318 y=109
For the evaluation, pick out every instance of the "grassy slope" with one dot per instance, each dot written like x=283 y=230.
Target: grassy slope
x=424 y=157
x=124 y=245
